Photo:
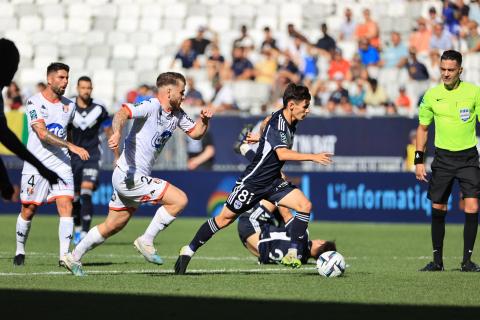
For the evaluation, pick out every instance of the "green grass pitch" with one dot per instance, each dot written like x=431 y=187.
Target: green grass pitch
x=381 y=277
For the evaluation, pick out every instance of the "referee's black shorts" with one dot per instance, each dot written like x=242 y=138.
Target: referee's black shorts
x=450 y=165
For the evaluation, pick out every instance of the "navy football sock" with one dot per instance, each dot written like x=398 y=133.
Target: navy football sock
x=206 y=231
x=76 y=211
x=87 y=210
x=298 y=230
x=469 y=234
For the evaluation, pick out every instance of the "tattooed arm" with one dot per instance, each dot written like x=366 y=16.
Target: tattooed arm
x=49 y=138
x=118 y=123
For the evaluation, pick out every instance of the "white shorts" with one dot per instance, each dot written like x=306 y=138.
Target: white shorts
x=35 y=189
x=131 y=190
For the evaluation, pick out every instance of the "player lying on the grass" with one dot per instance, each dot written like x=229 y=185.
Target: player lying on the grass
x=9 y=59
x=264 y=230
x=48 y=114
x=154 y=122
x=262 y=179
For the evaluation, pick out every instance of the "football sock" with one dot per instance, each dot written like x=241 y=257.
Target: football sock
x=298 y=229
x=87 y=209
x=65 y=229
x=160 y=221
x=76 y=211
x=438 y=233
x=91 y=240
x=23 y=228
x=206 y=231
x=469 y=234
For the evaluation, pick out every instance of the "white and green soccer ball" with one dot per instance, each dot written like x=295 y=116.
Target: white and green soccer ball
x=331 y=264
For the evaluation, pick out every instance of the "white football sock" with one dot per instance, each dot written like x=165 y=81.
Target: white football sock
x=65 y=229
x=91 y=240
x=23 y=228
x=160 y=221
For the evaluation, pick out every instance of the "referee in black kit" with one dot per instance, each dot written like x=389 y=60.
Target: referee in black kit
x=453 y=106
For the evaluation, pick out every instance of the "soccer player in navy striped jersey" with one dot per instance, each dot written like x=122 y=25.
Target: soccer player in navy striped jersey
x=262 y=179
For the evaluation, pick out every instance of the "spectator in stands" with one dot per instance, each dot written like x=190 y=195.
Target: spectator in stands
x=320 y=93
x=215 y=62
x=375 y=95
x=395 y=54
x=451 y=15
x=339 y=65
x=433 y=18
x=268 y=41
x=339 y=98
x=409 y=164
x=309 y=65
x=294 y=33
x=369 y=55
x=245 y=40
x=187 y=56
x=473 y=37
x=461 y=9
x=143 y=93
x=131 y=96
x=266 y=68
x=14 y=98
x=348 y=26
x=420 y=38
x=441 y=38
x=368 y=29
x=242 y=68
x=326 y=42
x=474 y=13
x=403 y=101
x=200 y=153
x=193 y=97
x=357 y=69
x=199 y=42
x=357 y=96
x=40 y=86
x=419 y=77
x=433 y=66
x=288 y=71
x=222 y=99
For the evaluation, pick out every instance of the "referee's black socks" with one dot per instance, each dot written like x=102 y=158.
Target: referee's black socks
x=438 y=234
x=469 y=234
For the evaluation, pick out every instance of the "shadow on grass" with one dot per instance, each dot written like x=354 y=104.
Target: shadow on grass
x=43 y=304
x=101 y=264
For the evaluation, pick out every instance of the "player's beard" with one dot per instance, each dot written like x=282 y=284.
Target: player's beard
x=175 y=104
x=59 y=91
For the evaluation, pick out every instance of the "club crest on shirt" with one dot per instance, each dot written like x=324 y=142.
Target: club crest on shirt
x=464 y=114
x=237 y=204
x=33 y=115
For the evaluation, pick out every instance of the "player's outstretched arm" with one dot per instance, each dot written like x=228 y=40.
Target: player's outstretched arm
x=285 y=154
x=118 y=122
x=422 y=136
x=201 y=125
x=47 y=137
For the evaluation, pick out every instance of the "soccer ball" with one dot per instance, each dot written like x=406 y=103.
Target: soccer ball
x=331 y=264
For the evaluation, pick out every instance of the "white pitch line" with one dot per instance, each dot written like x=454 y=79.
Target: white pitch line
x=142 y=271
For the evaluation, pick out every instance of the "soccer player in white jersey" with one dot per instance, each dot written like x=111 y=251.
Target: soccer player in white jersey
x=48 y=115
x=154 y=122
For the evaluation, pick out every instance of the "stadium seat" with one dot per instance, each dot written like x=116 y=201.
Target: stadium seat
x=32 y=75
x=53 y=25
x=8 y=22
x=141 y=64
x=291 y=10
x=126 y=77
x=42 y=62
x=123 y=50
x=266 y=21
x=106 y=10
x=162 y=38
x=18 y=35
x=80 y=10
x=244 y=11
x=127 y=24
x=219 y=23
x=177 y=10
x=97 y=63
x=149 y=24
x=116 y=37
x=139 y=38
x=75 y=63
x=197 y=10
x=79 y=24
x=220 y=10
x=96 y=37
x=129 y=10
x=46 y=1
x=6 y=9
x=147 y=51
x=30 y=23
x=43 y=37
x=46 y=50
x=173 y=23
x=193 y=22
x=152 y=11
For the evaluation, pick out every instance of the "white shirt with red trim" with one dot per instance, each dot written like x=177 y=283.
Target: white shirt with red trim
x=152 y=128
x=56 y=116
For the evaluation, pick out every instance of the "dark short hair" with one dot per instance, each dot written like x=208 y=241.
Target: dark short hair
x=296 y=93
x=9 y=59
x=84 y=78
x=170 y=78
x=57 y=66
x=327 y=246
x=452 y=55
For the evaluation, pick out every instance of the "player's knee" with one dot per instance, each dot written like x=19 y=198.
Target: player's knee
x=471 y=207
x=305 y=206
x=439 y=206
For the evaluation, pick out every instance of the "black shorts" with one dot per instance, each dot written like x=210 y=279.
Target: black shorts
x=450 y=165
x=245 y=196
x=85 y=171
x=246 y=228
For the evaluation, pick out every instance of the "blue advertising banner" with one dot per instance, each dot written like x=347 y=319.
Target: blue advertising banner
x=376 y=197
x=347 y=137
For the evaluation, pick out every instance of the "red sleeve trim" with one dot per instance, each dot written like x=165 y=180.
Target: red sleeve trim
x=130 y=115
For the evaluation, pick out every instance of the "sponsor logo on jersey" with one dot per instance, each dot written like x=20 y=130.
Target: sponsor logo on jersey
x=464 y=114
x=283 y=137
x=159 y=140
x=33 y=115
x=57 y=129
